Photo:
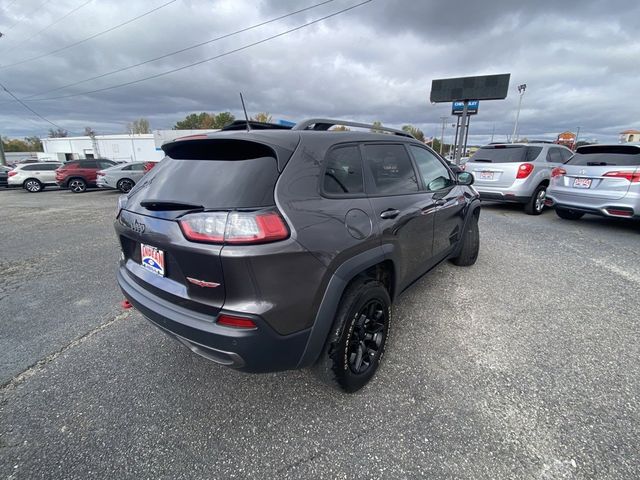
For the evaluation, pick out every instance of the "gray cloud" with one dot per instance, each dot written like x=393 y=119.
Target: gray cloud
x=579 y=60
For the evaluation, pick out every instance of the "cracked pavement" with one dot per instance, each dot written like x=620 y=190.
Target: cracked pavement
x=523 y=366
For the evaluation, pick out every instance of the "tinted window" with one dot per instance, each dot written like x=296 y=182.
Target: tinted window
x=31 y=168
x=105 y=163
x=343 y=174
x=223 y=184
x=595 y=159
x=502 y=154
x=532 y=153
x=389 y=170
x=87 y=164
x=50 y=166
x=565 y=154
x=137 y=167
x=435 y=175
x=553 y=155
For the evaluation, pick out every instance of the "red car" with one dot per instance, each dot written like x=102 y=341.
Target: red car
x=78 y=175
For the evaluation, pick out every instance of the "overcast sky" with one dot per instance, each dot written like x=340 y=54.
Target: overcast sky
x=579 y=59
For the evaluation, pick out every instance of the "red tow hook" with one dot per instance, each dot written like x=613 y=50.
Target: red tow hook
x=125 y=304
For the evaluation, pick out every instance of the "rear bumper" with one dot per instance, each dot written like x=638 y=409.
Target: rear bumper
x=495 y=196
x=618 y=208
x=258 y=350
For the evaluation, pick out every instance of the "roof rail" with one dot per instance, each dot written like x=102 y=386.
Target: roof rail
x=323 y=124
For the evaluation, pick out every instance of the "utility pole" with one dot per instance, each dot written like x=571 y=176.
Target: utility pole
x=444 y=119
x=3 y=159
x=575 y=142
x=521 y=89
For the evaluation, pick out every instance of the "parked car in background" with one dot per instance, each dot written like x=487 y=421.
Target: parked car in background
x=600 y=180
x=23 y=161
x=78 y=175
x=4 y=170
x=344 y=223
x=122 y=176
x=33 y=177
x=516 y=172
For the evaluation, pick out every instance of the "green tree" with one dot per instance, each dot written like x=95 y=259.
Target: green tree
x=29 y=144
x=376 y=127
x=416 y=132
x=204 y=120
x=58 y=133
x=262 y=117
x=139 y=126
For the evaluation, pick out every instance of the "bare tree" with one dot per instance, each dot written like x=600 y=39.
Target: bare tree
x=139 y=126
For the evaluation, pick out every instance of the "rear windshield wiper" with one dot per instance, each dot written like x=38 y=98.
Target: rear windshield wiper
x=597 y=164
x=169 y=205
x=482 y=160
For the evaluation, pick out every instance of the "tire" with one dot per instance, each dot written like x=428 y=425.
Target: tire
x=535 y=205
x=355 y=346
x=77 y=185
x=125 y=185
x=470 y=244
x=568 y=214
x=32 y=185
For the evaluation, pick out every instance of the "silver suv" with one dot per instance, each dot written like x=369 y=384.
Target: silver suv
x=33 y=177
x=516 y=172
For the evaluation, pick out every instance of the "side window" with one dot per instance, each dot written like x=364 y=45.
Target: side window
x=87 y=164
x=50 y=166
x=127 y=168
x=389 y=170
x=553 y=155
x=138 y=167
x=103 y=164
x=31 y=168
x=435 y=175
x=343 y=173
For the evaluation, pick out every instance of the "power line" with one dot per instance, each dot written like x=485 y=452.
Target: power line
x=9 y=4
x=95 y=35
x=252 y=27
x=29 y=108
x=184 y=67
x=49 y=26
x=27 y=15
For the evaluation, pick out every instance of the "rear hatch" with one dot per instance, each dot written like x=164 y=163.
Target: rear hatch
x=497 y=165
x=599 y=171
x=206 y=180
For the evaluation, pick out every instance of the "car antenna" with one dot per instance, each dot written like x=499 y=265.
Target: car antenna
x=245 y=113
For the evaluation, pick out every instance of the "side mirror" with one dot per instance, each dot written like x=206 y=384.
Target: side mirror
x=465 y=178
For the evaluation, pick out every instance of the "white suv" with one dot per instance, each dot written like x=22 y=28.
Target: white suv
x=33 y=177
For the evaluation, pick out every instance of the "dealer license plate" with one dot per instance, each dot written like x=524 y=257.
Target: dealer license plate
x=582 y=183
x=486 y=175
x=152 y=259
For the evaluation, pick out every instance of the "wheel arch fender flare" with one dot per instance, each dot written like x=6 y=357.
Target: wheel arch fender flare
x=326 y=313
x=473 y=210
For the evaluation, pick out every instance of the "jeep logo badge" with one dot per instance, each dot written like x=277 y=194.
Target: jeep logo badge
x=138 y=227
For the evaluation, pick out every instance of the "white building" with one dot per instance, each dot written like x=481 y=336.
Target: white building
x=123 y=148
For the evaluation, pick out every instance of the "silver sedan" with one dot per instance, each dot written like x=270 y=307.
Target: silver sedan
x=122 y=176
x=600 y=180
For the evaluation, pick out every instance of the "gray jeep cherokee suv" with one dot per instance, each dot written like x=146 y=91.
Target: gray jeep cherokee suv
x=279 y=249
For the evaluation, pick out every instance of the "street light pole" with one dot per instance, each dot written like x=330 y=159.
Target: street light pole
x=521 y=89
x=575 y=142
x=444 y=119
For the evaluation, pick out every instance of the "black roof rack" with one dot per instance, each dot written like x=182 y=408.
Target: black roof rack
x=324 y=124
x=242 y=125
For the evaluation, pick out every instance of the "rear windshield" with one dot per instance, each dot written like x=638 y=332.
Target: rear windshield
x=506 y=154
x=204 y=178
x=606 y=155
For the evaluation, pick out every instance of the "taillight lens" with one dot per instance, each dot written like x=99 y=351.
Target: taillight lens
x=524 y=170
x=234 y=227
x=12 y=173
x=633 y=177
x=235 y=322
x=558 y=172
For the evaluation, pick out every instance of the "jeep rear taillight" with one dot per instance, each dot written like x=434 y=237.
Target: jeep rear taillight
x=558 y=172
x=234 y=227
x=524 y=170
x=633 y=177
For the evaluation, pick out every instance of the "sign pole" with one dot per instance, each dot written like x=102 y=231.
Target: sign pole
x=3 y=159
x=463 y=124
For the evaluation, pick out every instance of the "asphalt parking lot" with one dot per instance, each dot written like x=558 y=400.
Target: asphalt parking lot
x=525 y=365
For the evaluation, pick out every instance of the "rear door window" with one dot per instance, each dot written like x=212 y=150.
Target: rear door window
x=215 y=174
x=554 y=156
x=87 y=164
x=343 y=172
x=389 y=170
x=435 y=176
x=565 y=154
x=502 y=154
x=532 y=153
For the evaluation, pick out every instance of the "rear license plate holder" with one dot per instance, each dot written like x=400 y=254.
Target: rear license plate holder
x=152 y=259
x=582 y=183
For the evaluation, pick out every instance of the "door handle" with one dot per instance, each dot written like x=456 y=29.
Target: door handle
x=440 y=202
x=390 y=213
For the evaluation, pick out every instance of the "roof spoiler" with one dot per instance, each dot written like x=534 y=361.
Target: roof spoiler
x=324 y=124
